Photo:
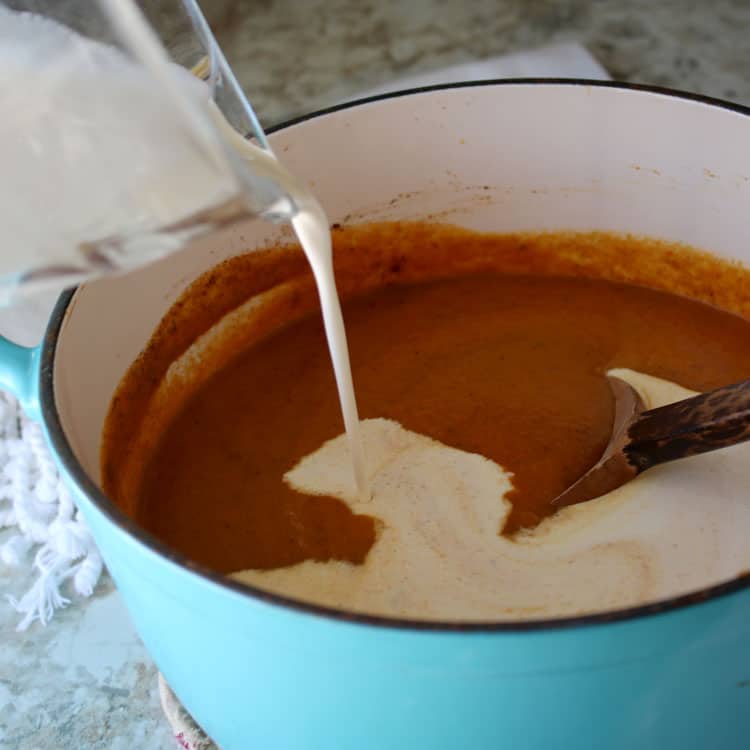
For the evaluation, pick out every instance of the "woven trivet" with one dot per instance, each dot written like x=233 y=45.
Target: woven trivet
x=185 y=729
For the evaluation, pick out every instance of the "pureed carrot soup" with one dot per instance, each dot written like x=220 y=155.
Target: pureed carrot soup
x=479 y=364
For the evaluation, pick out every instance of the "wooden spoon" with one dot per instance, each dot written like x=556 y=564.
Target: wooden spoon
x=641 y=439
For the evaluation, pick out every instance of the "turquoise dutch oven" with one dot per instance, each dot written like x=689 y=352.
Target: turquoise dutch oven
x=262 y=671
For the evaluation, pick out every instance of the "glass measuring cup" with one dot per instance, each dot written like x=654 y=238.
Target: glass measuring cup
x=101 y=181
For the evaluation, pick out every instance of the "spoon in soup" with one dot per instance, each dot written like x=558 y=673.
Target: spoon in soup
x=644 y=438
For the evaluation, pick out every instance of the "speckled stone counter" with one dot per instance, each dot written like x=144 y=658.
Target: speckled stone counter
x=294 y=57
x=85 y=682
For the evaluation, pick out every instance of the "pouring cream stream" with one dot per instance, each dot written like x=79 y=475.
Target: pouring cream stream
x=83 y=115
x=311 y=227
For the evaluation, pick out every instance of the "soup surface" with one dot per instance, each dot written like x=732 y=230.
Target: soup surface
x=493 y=345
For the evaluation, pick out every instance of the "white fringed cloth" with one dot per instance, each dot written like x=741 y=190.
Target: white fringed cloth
x=43 y=527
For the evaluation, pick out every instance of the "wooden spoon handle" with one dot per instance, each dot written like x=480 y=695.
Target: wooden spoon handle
x=711 y=420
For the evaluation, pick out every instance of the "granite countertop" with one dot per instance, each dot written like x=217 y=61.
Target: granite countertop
x=297 y=57
x=85 y=682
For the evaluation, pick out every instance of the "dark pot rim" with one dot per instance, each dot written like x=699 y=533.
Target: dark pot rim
x=118 y=518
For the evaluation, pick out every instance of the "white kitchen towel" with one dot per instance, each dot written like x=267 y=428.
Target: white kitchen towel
x=42 y=528
x=567 y=60
x=42 y=525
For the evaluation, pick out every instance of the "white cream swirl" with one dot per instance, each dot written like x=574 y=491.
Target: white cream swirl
x=676 y=528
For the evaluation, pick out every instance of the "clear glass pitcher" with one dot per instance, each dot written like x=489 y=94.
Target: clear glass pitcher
x=112 y=154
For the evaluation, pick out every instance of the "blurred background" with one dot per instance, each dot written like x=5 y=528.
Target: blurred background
x=294 y=57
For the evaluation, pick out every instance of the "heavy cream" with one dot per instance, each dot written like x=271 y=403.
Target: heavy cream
x=102 y=171
x=92 y=152
x=674 y=529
